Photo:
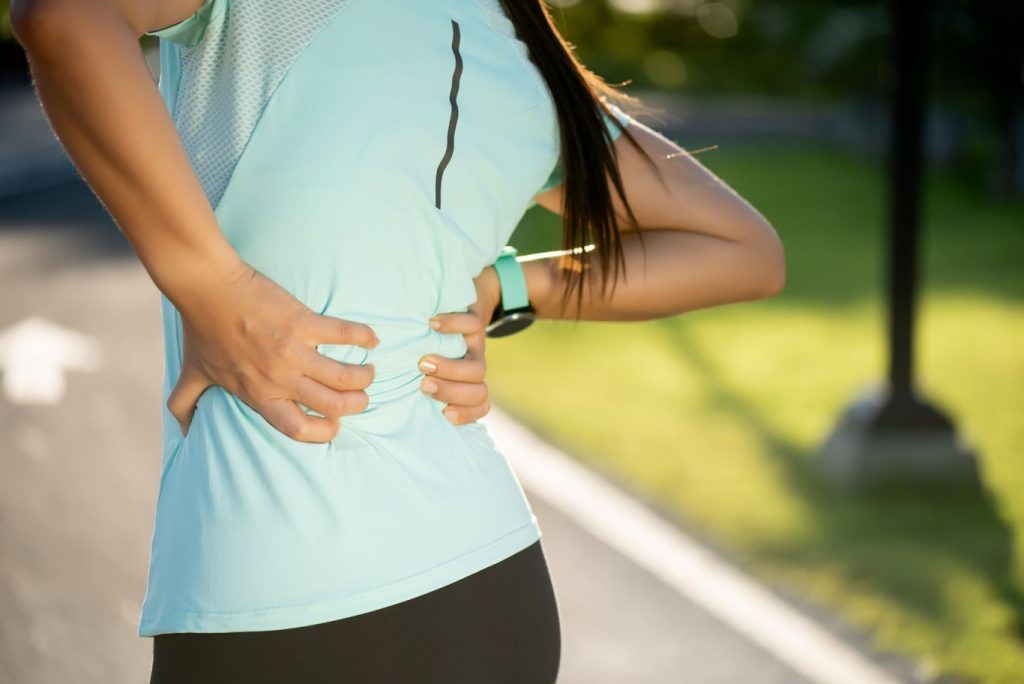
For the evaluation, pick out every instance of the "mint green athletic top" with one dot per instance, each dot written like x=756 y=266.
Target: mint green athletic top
x=371 y=157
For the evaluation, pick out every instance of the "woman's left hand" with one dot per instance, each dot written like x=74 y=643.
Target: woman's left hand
x=460 y=382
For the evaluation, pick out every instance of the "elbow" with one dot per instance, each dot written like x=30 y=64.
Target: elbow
x=769 y=263
x=39 y=25
x=776 y=280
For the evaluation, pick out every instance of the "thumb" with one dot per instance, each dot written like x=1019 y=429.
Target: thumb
x=185 y=395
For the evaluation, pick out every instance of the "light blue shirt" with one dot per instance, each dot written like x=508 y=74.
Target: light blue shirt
x=325 y=135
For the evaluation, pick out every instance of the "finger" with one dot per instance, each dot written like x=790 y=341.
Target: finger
x=459 y=322
x=475 y=346
x=328 y=402
x=286 y=417
x=184 y=396
x=460 y=415
x=467 y=393
x=466 y=369
x=331 y=330
x=334 y=374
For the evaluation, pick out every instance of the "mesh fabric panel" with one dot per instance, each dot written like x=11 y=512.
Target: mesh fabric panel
x=228 y=78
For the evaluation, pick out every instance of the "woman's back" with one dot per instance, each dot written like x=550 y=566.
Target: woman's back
x=371 y=157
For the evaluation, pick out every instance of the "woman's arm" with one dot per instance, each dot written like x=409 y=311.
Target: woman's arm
x=242 y=331
x=705 y=245
x=100 y=98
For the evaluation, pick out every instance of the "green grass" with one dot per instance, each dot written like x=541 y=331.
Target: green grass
x=717 y=414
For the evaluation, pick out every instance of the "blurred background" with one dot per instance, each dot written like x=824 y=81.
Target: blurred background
x=900 y=202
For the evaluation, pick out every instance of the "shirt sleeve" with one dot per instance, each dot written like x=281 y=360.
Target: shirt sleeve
x=190 y=31
x=556 y=175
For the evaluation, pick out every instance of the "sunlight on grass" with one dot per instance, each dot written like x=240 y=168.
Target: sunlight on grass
x=717 y=414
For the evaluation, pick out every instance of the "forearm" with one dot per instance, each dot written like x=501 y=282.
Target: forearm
x=705 y=244
x=104 y=106
x=681 y=271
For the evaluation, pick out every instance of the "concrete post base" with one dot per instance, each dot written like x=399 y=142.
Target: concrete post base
x=883 y=441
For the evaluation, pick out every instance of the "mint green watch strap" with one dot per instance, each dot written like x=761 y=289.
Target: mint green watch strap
x=514 y=294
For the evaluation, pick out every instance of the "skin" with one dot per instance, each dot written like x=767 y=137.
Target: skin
x=243 y=332
x=705 y=245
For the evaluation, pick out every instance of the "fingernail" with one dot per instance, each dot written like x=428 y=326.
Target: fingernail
x=450 y=414
x=434 y=323
x=429 y=386
x=427 y=366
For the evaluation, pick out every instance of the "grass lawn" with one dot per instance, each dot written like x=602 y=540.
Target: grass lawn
x=716 y=414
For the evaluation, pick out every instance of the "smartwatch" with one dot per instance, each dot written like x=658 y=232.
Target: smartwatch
x=514 y=311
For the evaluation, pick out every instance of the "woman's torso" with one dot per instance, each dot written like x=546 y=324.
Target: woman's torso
x=317 y=129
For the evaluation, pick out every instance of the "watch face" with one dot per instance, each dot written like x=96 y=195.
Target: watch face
x=511 y=323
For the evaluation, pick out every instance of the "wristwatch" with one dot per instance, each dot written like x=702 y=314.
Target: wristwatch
x=514 y=311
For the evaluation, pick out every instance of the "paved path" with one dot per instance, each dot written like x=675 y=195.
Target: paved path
x=77 y=480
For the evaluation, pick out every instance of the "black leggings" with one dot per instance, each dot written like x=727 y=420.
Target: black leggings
x=498 y=625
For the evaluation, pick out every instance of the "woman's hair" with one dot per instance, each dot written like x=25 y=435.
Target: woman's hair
x=587 y=156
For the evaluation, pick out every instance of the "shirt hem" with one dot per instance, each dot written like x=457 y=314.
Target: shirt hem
x=381 y=597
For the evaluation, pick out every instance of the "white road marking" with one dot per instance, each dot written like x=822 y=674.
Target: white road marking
x=692 y=570
x=34 y=355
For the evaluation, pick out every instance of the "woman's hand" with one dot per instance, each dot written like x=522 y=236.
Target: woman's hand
x=254 y=339
x=460 y=382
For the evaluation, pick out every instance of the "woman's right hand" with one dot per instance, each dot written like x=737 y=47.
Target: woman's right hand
x=257 y=341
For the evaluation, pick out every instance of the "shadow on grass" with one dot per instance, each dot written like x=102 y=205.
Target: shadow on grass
x=900 y=542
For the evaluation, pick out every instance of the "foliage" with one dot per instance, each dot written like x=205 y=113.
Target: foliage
x=5 y=21
x=802 y=49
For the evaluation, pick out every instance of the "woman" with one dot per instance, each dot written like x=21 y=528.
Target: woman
x=313 y=185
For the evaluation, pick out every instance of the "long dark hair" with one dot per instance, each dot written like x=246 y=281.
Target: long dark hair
x=587 y=156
